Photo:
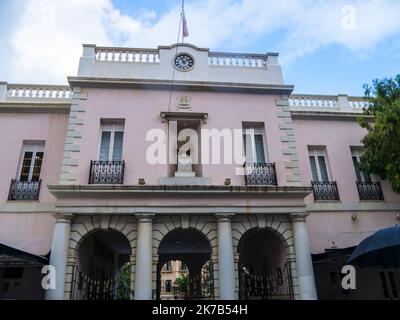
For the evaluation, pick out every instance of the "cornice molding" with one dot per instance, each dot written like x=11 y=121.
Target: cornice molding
x=35 y=107
x=327 y=115
x=178 y=85
x=62 y=191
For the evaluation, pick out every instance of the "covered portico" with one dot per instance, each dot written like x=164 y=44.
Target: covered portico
x=210 y=219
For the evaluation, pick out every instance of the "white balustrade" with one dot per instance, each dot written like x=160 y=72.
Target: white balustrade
x=237 y=60
x=309 y=101
x=313 y=101
x=127 y=55
x=358 y=104
x=138 y=55
x=38 y=92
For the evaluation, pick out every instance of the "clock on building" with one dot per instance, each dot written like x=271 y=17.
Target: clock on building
x=184 y=62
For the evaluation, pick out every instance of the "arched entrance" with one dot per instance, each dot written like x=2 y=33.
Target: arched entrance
x=264 y=272
x=192 y=249
x=103 y=270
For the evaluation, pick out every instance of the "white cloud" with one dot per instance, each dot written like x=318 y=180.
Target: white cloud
x=48 y=36
x=322 y=25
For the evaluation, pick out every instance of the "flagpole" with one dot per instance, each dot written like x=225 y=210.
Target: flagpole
x=182 y=16
x=173 y=69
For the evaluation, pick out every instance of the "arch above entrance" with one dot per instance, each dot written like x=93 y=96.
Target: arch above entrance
x=194 y=249
x=86 y=227
x=264 y=266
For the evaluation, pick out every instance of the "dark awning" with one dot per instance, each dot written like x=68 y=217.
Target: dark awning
x=14 y=257
x=380 y=249
x=333 y=255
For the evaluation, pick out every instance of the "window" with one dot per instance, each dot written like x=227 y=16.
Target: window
x=112 y=137
x=361 y=176
x=31 y=161
x=254 y=146
x=168 y=285
x=319 y=166
x=183 y=266
x=168 y=266
x=389 y=286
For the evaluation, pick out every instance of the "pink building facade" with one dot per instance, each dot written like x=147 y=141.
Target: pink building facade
x=95 y=174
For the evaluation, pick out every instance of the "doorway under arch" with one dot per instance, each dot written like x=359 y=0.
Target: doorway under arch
x=193 y=249
x=264 y=272
x=103 y=269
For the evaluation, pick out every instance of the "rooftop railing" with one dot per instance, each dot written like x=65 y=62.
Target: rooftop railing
x=23 y=92
x=342 y=103
x=237 y=60
x=313 y=101
x=146 y=55
x=139 y=55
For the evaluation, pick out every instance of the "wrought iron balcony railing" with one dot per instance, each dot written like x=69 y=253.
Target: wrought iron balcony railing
x=107 y=172
x=370 y=191
x=24 y=190
x=260 y=174
x=327 y=191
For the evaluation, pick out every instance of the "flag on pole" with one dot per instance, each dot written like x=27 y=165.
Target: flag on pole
x=185 y=31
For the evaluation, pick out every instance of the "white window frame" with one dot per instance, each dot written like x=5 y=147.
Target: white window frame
x=33 y=147
x=253 y=132
x=318 y=152
x=112 y=127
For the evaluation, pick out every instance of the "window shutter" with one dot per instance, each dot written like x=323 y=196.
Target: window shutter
x=105 y=146
x=357 y=168
x=323 y=169
x=37 y=166
x=118 y=142
x=259 y=143
x=314 y=169
x=26 y=166
x=248 y=147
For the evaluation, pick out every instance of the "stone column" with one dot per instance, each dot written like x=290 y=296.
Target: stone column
x=226 y=264
x=144 y=257
x=305 y=271
x=59 y=255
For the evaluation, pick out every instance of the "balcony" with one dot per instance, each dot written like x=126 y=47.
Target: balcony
x=370 y=191
x=24 y=190
x=107 y=172
x=261 y=174
x=325 y=191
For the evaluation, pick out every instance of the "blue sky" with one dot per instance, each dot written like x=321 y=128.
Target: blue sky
x=325 y=46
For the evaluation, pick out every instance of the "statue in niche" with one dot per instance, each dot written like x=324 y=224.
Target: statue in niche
x=185 y=162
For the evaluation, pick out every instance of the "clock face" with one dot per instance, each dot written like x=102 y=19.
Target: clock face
x=184 y=62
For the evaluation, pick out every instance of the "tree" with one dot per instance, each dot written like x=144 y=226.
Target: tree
x=207 y=279
x=182 y=284
x=382 y=143
x=124 y=282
